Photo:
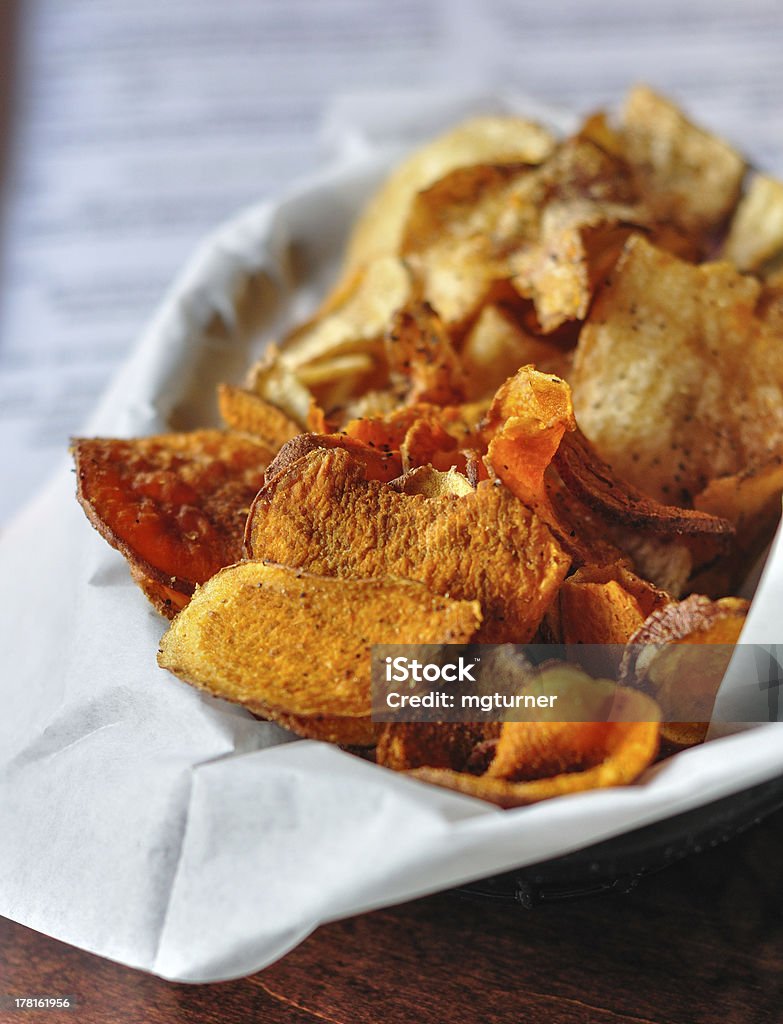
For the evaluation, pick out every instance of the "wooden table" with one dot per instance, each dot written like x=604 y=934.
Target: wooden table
x=700 y=942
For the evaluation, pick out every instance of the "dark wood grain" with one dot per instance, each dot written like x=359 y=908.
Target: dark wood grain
x=697 y=944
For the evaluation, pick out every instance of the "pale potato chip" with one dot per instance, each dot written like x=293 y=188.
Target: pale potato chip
x=676 y=381
x=685 y=173
x=756 y=232
x=276 y=383
x=497 y=346
x=484 y=224
x=323 y=515
x=492 y=139
x=289 y=645
x=579 y=243
x=357 y=321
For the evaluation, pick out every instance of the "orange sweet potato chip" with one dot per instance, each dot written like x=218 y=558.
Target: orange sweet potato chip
x=297 y=648
x=602 y=605
x=174 y=505
x=248 y=413
x=323 y=514
x=533 y=761
x=378 y=465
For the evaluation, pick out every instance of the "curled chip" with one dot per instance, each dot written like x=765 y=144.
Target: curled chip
x=676 y=380
x=297 y=648
x=174 y=505
x=378 y=465
x=586 y=474
x=526 y=422
x=533 y=761
x=322 y=514
x=680 y=655
x=602 y=605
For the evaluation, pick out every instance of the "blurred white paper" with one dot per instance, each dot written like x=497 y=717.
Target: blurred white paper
x=146 y=822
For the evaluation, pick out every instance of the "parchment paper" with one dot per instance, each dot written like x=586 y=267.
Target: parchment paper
x=161 y=828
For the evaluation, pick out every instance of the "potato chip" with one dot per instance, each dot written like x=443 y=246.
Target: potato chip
x=323 y=515
x=676 y=381
x=497 y=346
x=756 y=233
x=174 y=505
x=685 y=173
x=494 y=139
x=579 y=244
x=278 y=385
x=285 y=643
x=357 y=322
x=667 y=658
x=248 y=413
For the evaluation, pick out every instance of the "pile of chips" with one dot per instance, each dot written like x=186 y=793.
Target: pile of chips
x=544 y=402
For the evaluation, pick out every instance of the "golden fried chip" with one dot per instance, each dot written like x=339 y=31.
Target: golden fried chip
x=174 y=505
x=278 y=385
x=406 y=745
x=457 y=236
x=323 y=515
x=290 y=645
x=666 y=657
x=495 y=139
x=356 y=321
x=756 y=232
x=579 y=244
x=676 y=381
x=497 y=346
x=248 y=413
x=687 y=174
x=427 y=443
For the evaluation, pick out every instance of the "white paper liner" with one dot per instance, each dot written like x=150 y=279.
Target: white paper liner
x=148 y=823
